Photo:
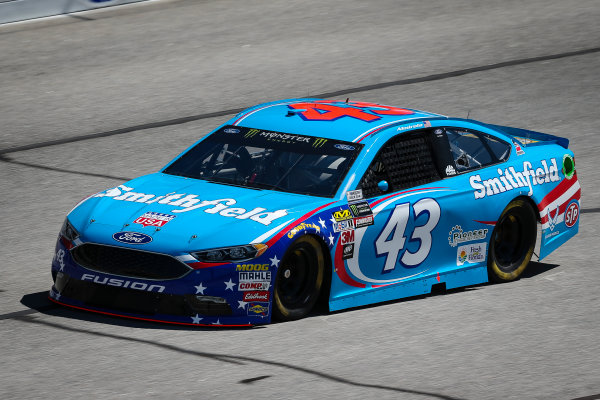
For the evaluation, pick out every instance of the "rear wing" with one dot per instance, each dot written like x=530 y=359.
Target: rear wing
x=530 y=138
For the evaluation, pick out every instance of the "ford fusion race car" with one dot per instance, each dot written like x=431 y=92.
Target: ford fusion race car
x=297 y=201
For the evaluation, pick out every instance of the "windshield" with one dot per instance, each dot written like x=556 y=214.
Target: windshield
x=262 y=159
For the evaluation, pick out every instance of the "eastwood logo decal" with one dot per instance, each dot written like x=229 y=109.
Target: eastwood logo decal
x=261 y=295
x=132 y=237
x=153 y=219
x=471 y=253
x=190 y=202
x=457 y=236
x=510 y=179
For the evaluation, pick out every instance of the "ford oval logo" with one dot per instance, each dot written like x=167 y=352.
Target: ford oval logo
x=343 y=146
x=231 y=130
x=132 y=237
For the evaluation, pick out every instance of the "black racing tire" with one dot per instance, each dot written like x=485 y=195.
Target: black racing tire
x=512 y=242
x=299 y=279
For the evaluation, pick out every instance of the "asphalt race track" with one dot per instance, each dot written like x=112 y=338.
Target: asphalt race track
x=90 y=100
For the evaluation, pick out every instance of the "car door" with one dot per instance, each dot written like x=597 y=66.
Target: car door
x=426 y=223
x=399 y=244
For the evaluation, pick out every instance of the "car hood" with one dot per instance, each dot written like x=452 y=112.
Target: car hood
x=192 y=214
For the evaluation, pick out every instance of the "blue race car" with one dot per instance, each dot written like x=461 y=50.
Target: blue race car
x=306 y=200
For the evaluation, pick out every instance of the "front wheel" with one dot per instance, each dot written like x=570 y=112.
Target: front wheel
x=512 y=242
x=299 y=279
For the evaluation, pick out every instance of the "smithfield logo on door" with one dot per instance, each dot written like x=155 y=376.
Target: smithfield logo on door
x=132 y=237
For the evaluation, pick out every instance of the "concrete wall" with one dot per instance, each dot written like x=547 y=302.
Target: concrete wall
x=19 y=10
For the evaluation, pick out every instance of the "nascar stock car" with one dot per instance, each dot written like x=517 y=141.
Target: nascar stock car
x=306 y=200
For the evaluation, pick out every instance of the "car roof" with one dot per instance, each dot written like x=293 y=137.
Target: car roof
x=332 y=119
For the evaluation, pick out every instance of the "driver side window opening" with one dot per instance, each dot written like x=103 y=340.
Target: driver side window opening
x=405 y=161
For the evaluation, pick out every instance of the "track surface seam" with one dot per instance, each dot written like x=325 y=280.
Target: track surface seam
x=401 y=82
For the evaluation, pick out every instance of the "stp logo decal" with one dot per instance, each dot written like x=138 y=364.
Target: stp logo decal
x=132 y=237
x=153 y=219
x=572 y=214
x=330 y=111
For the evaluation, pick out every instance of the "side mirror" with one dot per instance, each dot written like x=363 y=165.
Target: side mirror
x=383 y=186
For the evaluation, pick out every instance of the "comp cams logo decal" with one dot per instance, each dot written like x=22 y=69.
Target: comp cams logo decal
x=190 y=202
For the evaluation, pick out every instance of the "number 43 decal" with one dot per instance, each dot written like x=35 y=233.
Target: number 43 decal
x=392 y=238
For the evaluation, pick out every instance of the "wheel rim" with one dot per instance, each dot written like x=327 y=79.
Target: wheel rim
x=510 y=243
x=297 y=277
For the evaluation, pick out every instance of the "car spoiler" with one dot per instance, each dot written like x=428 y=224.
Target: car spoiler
x=530 y=138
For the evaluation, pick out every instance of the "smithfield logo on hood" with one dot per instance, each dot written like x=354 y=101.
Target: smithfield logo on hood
x=132 y=237
x=189 y=202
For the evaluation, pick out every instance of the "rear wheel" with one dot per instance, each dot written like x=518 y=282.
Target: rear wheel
x=512 y=242
x=299 y=279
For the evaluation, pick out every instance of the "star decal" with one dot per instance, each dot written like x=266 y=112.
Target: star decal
x=330 y=239
x=200 y=288
x=333 y=221
x=196 y=319
x=242 y=304
x=217 y=323
x=229 y=285
x=57 y=296
x=322 y=223
x=274 y=261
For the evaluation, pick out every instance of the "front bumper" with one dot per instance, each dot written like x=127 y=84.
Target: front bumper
x=202 y=297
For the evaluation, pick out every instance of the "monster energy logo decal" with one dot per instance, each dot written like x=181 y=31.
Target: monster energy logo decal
x=251 y=133
x=319 y=142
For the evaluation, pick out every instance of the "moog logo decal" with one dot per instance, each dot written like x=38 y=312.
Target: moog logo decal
x=132 y=237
